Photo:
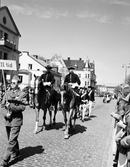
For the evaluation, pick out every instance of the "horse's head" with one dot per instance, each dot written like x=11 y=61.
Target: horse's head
x=37 y=84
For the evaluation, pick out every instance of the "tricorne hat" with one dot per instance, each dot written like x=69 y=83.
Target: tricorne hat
x=71 y=68
x=48 y=67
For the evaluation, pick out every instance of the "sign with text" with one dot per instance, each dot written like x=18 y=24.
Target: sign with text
x=7 y=64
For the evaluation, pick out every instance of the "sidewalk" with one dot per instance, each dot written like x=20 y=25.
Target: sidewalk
x=111 y=156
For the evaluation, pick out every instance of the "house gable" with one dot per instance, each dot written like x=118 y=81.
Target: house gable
x=7 y=21
x=78 y=64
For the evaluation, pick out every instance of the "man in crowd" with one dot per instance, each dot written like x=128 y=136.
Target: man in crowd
x=13 y=104
x=91 y=99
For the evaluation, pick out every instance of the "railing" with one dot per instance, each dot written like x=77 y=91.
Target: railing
x=7 y=44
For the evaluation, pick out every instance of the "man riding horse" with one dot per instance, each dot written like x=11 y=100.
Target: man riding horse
x=48 y=80
x=73 y=80
x=70 y=99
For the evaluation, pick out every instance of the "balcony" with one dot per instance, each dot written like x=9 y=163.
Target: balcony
x=6 y=44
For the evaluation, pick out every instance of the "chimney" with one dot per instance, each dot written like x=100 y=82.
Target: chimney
x=68 y=58
x=80 y=59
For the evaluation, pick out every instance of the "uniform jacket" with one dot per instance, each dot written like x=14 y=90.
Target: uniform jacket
x=72 y=78
x=91 y=95
x=17 y=105
x=48 y=77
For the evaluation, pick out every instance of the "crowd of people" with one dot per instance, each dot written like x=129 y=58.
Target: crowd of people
x=14 y=103
x=122 y=124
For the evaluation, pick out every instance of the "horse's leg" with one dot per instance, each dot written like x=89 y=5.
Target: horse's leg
x=50 y=113
x=65 y=117
x=66 y=133
x=55 y=112
x=37 y=120
x=44 y=119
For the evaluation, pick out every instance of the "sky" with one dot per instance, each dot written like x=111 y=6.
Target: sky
x=98 y=30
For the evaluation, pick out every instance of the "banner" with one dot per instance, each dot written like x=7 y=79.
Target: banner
x=8 y=64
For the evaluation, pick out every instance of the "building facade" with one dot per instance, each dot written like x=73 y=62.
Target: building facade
x=85 y=70
x=34 y=64
x=9 y=41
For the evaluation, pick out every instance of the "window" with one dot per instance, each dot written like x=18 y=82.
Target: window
x=5 y=56
x=29 y=66
x=19 y=65
x=79 y=75
x=5 y=36
x=85 y=75
x=88 y=75
x=1 y=34
x=20 y=78
x=85 y=83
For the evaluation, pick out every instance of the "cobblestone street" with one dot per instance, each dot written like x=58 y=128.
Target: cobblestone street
x=88 y=145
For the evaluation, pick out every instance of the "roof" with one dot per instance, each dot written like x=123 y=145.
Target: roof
x=78 y=64
x=43 y=63
x=23 y=71
x=6 y=8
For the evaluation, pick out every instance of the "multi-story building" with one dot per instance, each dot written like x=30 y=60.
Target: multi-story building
x=85 y=70
x=9 y=40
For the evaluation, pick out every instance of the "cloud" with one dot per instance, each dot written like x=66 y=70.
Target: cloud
x=120 y=2
x=97 y=17
x=45 y=13
x=126 y=21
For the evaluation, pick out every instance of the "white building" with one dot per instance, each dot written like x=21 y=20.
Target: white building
x=32 y=64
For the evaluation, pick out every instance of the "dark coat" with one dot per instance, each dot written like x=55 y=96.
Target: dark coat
x=16 y=107
x=47 y=77
x=91 y=96
x=72 y=79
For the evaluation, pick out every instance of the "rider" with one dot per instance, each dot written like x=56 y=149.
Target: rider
x=48 y=79
x=73 y=80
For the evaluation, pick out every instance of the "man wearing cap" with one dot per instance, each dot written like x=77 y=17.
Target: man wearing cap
x=13 y=104
x=73 y=80
x=48 y=80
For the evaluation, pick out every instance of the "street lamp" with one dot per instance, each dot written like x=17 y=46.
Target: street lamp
x=125 y=66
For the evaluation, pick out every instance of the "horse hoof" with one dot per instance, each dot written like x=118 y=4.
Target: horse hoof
x=35 y=131
x=66 y=136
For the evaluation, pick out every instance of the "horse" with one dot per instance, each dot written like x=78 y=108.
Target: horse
x=44 y=100
x=69 y=103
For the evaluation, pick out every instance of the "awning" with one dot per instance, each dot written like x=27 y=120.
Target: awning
x=23 y=71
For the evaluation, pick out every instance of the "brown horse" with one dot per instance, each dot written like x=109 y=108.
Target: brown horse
x=43 y=99
x=69 y=103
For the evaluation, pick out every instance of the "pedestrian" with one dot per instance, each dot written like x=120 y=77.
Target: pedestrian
x=91 y=99
x=13 y=104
